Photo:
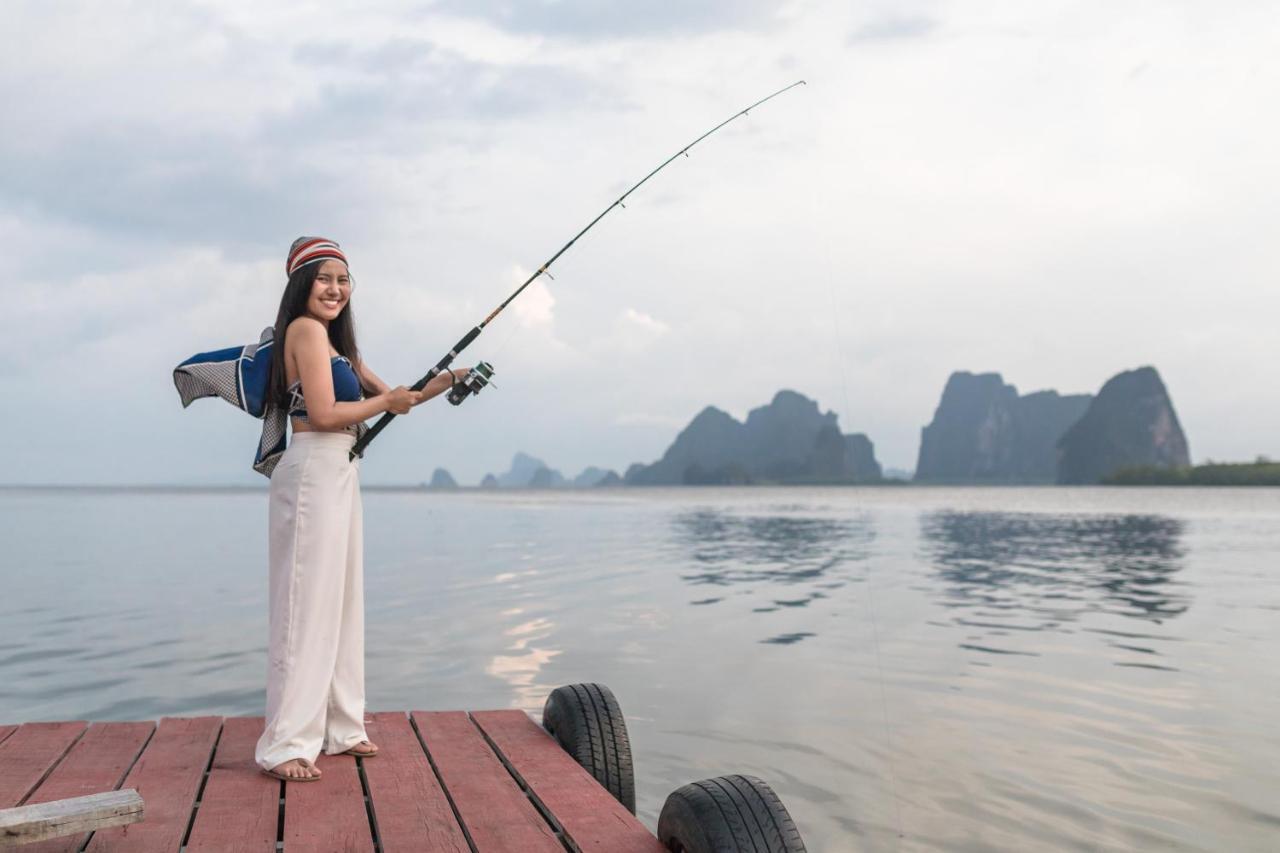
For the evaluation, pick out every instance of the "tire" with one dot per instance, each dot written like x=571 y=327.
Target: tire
x=727 y=814
x=585 y=719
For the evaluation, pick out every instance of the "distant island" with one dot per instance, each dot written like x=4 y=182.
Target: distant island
x=529 y=472
x=983 y=432
x=788 y=441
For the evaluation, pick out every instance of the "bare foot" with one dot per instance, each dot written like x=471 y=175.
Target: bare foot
x=364 y=747
x=298 y=768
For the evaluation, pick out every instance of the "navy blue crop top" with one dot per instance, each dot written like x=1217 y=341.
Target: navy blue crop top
x=346 y=387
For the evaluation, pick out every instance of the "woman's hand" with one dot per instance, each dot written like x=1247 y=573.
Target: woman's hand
x=400 y=399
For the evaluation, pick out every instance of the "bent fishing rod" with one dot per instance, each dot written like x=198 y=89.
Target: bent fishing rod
x=478 y=377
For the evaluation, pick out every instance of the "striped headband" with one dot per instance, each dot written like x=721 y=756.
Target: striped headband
x=308 y=250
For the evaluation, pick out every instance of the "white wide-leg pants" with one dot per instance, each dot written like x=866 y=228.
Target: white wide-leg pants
x=315 y=655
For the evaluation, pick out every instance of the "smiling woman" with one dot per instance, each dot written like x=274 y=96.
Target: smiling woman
x=315 y=668
x=315 y=674
x=307 y=372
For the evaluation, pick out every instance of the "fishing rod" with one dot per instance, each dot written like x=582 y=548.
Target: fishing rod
x=478 y=377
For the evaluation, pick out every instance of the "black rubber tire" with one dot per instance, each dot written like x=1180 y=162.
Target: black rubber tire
x=727 y=814
x=585 y=719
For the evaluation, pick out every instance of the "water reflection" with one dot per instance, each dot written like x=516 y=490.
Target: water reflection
x=1012 y=572
x=754 y=554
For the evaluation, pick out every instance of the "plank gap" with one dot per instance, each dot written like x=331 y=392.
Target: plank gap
x=546 y=813
x=204 y=780
x=125 y=775
x=457 y=815
x=368 y=805
x=280 y=818
x=23 y=799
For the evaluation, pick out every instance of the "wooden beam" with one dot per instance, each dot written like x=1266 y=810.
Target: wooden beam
x=589 y=816
x=495 y=812
x=410 y=808
x=328 y=814
x=98 y=762
x=27 y=756
x=73 y=816
x=239 y=809
x=168 y=774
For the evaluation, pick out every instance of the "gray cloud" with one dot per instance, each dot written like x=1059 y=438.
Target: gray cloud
x=893 y=28
x=593 y=18
x=415 y=80
x=160 y=185
x=150 y=177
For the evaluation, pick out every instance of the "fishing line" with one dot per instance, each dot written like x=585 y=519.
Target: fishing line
x=470 y=336
x=870 y=605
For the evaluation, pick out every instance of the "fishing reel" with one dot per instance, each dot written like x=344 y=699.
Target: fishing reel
x=477 y=378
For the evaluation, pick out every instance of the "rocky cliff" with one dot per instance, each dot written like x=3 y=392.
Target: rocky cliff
x=592 y=476
x=788 y=441
x=526 y=472
x=442 y=479
x=983 y=431
x=1130 y=423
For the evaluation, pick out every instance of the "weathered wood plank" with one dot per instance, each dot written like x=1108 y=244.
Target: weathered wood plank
x=327 y=814
x=58 y=819
x=588 y=814
x=97 y=762
x=27 y=756
x=496 y=813
x=240 y=807
x=168 y=776
x=410 y=808
x=5 y=731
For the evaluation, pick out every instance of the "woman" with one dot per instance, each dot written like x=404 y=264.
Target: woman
x=315 y=671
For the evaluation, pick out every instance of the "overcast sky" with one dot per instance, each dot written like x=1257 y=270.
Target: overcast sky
x=1056 y=191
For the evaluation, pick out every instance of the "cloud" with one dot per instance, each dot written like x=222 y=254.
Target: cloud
x=617 y=18
x=985 y=195
x=205 y=158
x=179 y=303
x=893 y=27
x=635 y=330
x=535 y=306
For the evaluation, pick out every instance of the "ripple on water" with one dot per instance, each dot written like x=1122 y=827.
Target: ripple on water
x=40 y=654
x=978 y=669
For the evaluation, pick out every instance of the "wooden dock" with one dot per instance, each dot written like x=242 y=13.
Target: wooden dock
x=458 y=781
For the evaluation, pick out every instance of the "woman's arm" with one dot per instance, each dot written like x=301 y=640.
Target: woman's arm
x=310 y=345
x=369 y=379
x=436 y=386
x=440 y=383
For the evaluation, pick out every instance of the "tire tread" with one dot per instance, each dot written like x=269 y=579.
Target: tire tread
x=728 y=814
x=587 y=722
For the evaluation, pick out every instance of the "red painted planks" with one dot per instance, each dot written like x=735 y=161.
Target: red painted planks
x=496 y=813
x=5 y=731
x=409 y=806
x=240 y=806
x=587 y=813
x=327 y=814
x=28 y=754
x=97 y=762
x=168 y=776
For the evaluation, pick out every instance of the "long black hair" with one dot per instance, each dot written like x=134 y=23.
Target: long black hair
x=293 y=304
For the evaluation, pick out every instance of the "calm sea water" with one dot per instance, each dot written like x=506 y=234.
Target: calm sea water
x=915 y=669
